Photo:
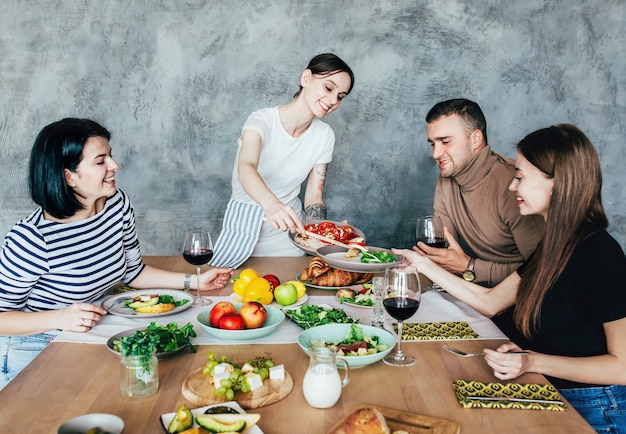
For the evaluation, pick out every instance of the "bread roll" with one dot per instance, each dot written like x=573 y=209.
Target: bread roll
x=363 y=420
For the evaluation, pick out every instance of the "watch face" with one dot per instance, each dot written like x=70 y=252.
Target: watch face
x=469 y=275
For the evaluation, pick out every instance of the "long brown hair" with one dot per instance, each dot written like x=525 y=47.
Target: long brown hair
x=565 y=154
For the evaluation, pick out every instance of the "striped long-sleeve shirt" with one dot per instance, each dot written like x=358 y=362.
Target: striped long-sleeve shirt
x=48 y=265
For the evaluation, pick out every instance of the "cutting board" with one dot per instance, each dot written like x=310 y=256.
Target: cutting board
x=198 y=389
x=413 y=423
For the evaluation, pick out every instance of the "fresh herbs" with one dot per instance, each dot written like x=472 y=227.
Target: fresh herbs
x=311 y=315
x=156 y=338
x=380 y=257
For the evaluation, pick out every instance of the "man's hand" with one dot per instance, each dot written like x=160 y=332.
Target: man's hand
x=452 y=259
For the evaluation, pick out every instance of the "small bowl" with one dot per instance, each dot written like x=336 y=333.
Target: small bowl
x=81 y=424
x=111 y=347
x=274 y=318
x=338 y=332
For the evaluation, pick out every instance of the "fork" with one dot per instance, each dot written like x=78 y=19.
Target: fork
x=460 y=353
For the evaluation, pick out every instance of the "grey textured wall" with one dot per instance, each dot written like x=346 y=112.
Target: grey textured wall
x=174 y=81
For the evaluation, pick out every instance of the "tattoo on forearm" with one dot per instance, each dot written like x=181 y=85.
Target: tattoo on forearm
x=316 y=211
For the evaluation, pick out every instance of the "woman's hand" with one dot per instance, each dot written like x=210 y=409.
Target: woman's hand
x=283 y=217
x=79 y=317
x=507 y=365
x=215 y=278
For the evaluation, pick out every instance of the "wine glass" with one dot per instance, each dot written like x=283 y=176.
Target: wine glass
x=401 y=298
x=198 y=250
x=430 y=231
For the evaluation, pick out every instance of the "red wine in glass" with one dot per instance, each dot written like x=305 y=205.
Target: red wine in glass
x=433 y=242
x=198 y=250
x=199 y=257
x=401 y=308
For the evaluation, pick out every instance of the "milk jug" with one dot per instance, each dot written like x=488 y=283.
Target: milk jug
x=322 y=384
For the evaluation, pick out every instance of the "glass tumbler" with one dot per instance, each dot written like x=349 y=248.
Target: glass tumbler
x=139 y=375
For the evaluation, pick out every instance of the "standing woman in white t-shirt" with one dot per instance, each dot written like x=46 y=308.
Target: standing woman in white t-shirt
x=279 y=148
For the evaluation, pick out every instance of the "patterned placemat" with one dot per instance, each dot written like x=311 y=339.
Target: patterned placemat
x=474 y=394
x=436 y=331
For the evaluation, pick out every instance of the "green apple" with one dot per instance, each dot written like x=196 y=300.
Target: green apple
x=285 y=294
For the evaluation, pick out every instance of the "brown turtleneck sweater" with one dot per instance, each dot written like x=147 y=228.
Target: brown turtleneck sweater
x=480 y=211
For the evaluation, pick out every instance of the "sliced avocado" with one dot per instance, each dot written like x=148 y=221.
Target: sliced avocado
x=151 y=302
x=207 y=421
x=183 y=419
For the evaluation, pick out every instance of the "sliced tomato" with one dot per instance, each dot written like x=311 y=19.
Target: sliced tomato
x=326 y=225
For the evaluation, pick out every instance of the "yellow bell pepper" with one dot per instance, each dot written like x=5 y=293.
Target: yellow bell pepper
x=259 y=290
x=245 y=277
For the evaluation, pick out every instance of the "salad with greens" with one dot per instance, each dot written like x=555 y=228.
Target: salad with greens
x=156 y=338
x=355 y=344
x=381 y=257
x=311 y=315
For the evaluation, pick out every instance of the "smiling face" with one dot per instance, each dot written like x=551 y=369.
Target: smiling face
x=453 y=147
x=533 y=188
x=323 y=94
x=94 y=178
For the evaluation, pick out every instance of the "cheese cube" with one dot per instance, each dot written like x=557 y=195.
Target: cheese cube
x=277 y=372
x=254 y=380
x=223 y=367
x=247 y=367
x=219 y=377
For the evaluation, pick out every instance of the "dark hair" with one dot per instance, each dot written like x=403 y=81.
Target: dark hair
x=326 y=64
x=59 y=146
x=566 y=155
x=470 y=113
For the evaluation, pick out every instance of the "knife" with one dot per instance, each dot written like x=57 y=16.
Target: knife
x=506 y=398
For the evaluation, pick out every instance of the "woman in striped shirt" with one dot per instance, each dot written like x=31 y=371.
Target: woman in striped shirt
x=80 y=242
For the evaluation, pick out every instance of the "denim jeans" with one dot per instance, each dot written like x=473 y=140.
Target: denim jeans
x=18 y=351
x=604 y=408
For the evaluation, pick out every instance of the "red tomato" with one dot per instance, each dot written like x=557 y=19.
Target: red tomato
x=273 y=280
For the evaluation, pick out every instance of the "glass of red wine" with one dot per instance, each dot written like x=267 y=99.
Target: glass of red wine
x=429 y=231
x=198 y=250
x=401 y=298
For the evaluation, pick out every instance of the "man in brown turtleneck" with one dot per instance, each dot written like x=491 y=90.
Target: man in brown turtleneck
x=487 y=236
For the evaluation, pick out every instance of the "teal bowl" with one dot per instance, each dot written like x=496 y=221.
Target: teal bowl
x=338 y=332
x=274 y=318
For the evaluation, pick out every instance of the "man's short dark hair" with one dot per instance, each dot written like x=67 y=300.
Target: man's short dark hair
x=469 y=112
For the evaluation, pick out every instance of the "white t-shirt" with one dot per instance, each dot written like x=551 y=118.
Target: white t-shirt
x=285 y=161
x=284 y=164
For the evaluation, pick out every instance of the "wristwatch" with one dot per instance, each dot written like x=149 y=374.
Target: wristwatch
x=469 y=273
x=187 y=282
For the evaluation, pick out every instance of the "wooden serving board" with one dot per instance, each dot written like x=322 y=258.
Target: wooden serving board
x=418 y=423
x=198 y=389
x=413 y=423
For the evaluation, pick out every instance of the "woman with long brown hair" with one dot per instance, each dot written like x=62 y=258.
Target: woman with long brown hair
x=569 y=298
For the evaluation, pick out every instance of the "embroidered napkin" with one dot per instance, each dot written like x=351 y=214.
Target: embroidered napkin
x=436 y=331
x=474 y=394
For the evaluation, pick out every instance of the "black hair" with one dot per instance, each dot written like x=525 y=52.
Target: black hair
x=326 y=64
x=469 y=112
x=59 y=146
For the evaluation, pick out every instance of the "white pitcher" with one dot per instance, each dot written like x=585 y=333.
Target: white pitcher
x=322 y=384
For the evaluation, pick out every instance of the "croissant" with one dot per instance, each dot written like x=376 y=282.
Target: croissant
x=316 y=268
x=335 y=277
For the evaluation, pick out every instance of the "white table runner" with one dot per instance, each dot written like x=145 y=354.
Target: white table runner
x=434 y=307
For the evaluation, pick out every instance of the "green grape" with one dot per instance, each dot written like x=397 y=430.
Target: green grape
x=245 y=387
x=220 y=391
x=230 y=395
x=206 y=371
x=269 y=363
x=264 y=373
x=211 y=356
x=226 y=383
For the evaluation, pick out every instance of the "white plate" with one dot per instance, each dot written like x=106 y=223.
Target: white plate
x=167 y=418
x=114 y=304
x=311 y=250
x=356 y=305
x=236 y=298
x=335 y=256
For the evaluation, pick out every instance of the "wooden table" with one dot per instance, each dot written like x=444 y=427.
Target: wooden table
x=68 y=380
